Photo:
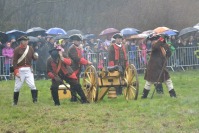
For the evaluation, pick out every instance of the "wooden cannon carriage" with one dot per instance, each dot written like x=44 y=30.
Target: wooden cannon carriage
x=96 y=85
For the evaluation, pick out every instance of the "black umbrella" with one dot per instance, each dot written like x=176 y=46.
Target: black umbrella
x=89 y=36
x=3 y=37
x=15 y=33
x=36 y=31
x=74 y=31
x=187 y=32
x=33 y=39
x=61 y=37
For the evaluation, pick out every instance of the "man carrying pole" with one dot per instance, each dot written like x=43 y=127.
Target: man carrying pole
x=156 y=70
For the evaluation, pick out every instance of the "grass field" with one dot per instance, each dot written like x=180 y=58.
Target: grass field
x=161 y=114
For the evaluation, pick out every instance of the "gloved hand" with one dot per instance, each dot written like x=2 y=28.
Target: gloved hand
x=58 y=79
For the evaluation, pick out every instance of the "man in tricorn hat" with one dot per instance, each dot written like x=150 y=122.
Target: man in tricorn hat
x=23 y=56
x=156 y=72
x=117 y=55
x=75 y=53
x=58 y=69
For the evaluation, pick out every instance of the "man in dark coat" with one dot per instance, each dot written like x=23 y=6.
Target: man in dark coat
x=117 y=55
x=156 y=71
x=75 y=53
x=58 y=69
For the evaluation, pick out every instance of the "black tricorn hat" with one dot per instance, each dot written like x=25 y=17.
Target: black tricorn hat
x=22 y=38
x=77 y=37
x=54 y=53
x=117 y=35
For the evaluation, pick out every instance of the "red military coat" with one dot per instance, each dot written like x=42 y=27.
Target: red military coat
x=52 y=67
x=75 y=54
x=114 y=57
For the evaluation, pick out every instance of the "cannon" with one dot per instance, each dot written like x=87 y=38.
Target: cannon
x=96 y=84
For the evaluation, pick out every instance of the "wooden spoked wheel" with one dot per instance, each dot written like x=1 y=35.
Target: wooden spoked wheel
x=132 y=83
x=90 y=83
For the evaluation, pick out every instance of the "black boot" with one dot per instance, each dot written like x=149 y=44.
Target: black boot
x=145 y=93
x=55 y=96
x=172 y=93
x=34 y=95
x=73 y=95
x=159 y=88
x=80 y=92
x=15 y=98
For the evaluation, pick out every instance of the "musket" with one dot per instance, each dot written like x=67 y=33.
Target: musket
x=163 y=67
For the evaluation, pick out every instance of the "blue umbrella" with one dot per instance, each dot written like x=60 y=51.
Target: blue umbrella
x=171 y=32
x=15 y=34
x=56 y=31
x=129 y=31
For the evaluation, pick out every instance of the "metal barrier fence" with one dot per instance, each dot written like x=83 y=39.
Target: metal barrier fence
x=5 y=67
x=181 y=58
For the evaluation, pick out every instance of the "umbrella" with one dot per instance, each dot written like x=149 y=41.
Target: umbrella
x=33 y=39
x=160 y=30
x=15 y=33
x=129 y=31
x=61 y=37
x=138 y=36
x=89 y=36
x=171 y=32
x=3 y=37
x=109 y=31
x=196 y=26
x=147 y=32
x=36 y=31
x=74 y=31
x=187 y=32
x=56 y=31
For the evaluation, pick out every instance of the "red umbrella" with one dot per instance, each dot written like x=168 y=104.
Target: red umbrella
x=109 y=31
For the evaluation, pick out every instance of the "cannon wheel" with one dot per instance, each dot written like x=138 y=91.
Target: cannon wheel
x=132 y=83
x=90 y=84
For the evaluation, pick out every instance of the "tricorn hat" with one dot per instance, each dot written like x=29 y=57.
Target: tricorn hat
x=22 y=38
x=54 y=53
x=117 y=35
x=77 y=37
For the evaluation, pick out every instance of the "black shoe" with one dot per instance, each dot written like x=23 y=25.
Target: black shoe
x=145 y=93
x=34 y=95
x=84 y=101
x=15 y=98
x=159 y=88
x=54 y=93
x=57 y=104
x=172 y=93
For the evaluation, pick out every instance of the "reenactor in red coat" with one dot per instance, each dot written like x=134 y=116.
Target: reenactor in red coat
x=58 y=69
x=117 y=55
x=75 y=53
x=156 y=71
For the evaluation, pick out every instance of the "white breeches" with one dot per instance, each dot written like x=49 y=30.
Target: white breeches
x=25 y=74
x=168 y=83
